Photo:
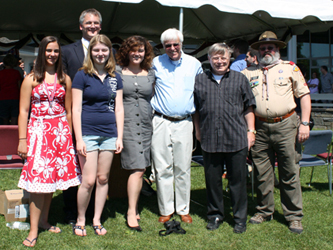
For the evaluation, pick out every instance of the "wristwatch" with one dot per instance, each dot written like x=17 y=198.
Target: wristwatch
x=305 y=123
x=252 y=130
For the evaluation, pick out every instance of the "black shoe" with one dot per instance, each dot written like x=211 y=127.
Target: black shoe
x=70 y=218
x=214 y=223
x=137 y=228
x=239 y=228
x=146 y=189
x=71 y=222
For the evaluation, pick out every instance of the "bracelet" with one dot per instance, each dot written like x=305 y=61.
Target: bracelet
x=22 y=138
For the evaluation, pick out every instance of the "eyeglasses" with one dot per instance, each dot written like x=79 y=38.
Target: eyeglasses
x=266 y=48
x=168 y=46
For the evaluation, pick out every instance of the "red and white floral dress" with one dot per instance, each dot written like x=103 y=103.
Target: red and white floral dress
x=51 y=159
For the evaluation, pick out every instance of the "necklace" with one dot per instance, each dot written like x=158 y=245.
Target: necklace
x=50 y=97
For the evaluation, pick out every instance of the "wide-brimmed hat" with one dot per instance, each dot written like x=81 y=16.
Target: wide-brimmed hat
x=268 y=37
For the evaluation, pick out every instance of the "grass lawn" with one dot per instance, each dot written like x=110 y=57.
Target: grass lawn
x=317 y=223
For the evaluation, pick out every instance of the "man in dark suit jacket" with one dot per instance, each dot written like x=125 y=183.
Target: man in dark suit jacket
x=73 y=54
x=72 y=59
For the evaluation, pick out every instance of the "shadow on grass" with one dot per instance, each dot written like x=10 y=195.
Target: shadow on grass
x=57 y=214
x=315 y=186
x=198 y=206
x=120 y=205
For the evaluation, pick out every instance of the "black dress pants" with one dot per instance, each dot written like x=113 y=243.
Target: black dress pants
x=236 y=172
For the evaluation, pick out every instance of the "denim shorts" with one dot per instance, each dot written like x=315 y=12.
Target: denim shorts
x=96 y=142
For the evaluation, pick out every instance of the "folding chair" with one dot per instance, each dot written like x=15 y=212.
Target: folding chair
x=8 y=148
x=319 y=142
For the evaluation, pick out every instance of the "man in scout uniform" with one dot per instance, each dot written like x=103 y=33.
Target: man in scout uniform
x=274 y=84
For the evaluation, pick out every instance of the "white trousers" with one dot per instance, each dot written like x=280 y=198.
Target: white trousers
x=171 y=151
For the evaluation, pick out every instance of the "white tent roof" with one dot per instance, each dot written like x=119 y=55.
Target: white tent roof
x=204 y=20
x=293 y=9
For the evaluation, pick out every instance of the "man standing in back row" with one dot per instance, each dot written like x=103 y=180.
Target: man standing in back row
x=172 y=139
x=240 y=48
x=72 y=58
x=326 y=80
x=251 y=57
x=274 y=84
x=74 y=54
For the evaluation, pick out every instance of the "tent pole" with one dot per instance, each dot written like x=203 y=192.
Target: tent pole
x=181 y=20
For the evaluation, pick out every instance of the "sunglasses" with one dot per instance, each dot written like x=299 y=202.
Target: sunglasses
x=168 y=46
x=270 y=48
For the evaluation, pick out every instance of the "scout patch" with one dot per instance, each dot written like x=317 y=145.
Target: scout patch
x=296 y=69
x=280 y=71
x=254 y=81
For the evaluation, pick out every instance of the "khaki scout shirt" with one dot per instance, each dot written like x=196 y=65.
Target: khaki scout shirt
x=285 y=81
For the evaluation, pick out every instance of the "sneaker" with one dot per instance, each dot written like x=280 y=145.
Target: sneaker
x=258 y=218
x=295 y=226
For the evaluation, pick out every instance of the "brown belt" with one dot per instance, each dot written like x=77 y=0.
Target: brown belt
x=171 y=119
x=276 y=119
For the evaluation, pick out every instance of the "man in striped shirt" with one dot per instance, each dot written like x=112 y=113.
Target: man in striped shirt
x=224 y=124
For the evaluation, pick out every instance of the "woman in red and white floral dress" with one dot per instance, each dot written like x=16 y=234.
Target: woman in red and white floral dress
x=46 y=142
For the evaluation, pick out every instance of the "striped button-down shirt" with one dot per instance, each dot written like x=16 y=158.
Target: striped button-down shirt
x=221 y=107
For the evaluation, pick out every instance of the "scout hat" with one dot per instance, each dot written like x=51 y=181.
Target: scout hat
x=268 y=37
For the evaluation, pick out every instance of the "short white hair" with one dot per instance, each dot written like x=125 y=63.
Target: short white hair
x=172 y=34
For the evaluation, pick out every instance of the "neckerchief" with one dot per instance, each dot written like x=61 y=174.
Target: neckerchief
x=265 y=69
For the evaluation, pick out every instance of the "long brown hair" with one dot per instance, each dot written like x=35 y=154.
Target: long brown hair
x=110 y=64
x=39 y=68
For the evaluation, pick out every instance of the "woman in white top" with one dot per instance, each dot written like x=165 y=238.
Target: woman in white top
x=313 y=84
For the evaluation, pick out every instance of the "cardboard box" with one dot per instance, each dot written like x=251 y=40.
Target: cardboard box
x=14 y=204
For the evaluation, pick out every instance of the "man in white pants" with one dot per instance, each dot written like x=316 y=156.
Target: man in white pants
x=172 y=143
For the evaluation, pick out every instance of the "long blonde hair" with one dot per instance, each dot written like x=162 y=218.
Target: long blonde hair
x=110 y=64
